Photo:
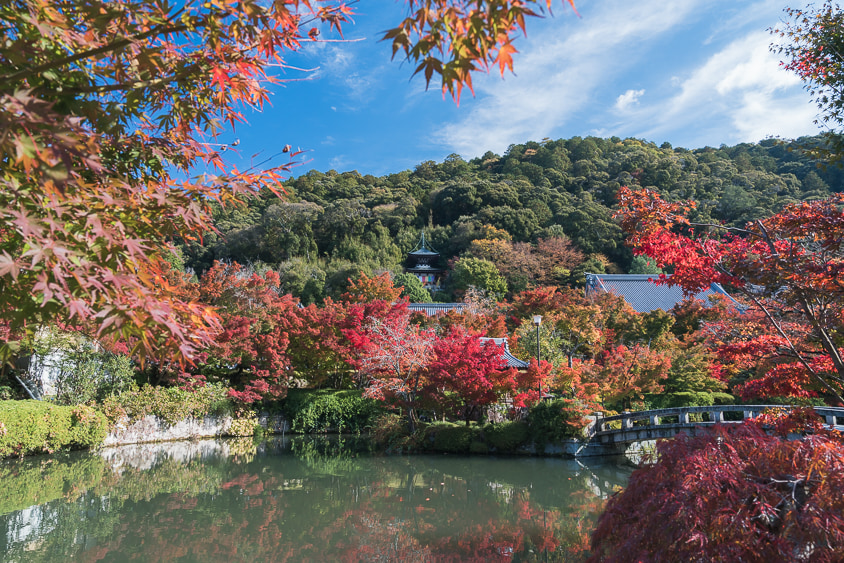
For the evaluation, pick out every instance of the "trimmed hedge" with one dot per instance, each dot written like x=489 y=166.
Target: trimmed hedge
x=454 y=438
x=170 y=404
x=327 y=410
x=688 y=399
x=506 y=437
x=30 y=427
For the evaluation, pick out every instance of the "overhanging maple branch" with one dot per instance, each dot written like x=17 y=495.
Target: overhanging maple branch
x=114 y=46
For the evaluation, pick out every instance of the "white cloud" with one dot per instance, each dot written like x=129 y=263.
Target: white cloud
x=739 y=94
x=339 y=162
x=706 y=66
x=557 y=77
x=628 y=99
x=341 y=65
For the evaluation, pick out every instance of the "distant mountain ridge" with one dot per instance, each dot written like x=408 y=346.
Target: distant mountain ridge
x=333 y=226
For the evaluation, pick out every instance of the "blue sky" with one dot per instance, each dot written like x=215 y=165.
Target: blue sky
x=690 y=72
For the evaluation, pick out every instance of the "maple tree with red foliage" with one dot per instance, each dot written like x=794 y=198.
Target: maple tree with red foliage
x=250 y=352
x=787 y=267
x=815 y=52
x=393 y=354
x=745 y=492
x=467 y=373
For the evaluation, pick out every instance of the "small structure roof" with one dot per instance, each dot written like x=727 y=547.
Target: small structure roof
x=512 y=361
x=435 y=309
x=642 y=293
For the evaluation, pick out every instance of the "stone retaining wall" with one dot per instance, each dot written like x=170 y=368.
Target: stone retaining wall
x=153 y=429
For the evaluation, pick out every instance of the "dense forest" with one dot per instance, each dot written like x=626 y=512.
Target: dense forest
x=541 y=214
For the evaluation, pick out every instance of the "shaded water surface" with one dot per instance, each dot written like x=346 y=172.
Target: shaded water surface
x=305 y=499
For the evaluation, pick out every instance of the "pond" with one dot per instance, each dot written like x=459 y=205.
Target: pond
x=298 y=499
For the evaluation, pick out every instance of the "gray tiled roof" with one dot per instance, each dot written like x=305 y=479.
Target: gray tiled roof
x=512 y=361
x=642 y=293
x=434 y=309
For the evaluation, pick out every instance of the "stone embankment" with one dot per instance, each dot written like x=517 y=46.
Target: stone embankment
x=154 y=429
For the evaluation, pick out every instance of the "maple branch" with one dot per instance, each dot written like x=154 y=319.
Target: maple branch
x=793 y=348
x=116 y=45
x=130 y=85
x=724 y=227
x=797 y=354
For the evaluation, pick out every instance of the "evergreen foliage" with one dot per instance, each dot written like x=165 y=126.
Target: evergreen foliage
x=330 y=410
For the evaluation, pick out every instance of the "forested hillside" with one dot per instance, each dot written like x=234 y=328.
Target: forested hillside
x=541 y=213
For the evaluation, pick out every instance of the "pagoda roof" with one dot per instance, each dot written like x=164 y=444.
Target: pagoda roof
x=421 y=248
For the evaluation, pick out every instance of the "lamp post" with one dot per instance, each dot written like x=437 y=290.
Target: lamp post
x=537 y=320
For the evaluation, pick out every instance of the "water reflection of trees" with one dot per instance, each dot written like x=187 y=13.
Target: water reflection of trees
x=300 y=500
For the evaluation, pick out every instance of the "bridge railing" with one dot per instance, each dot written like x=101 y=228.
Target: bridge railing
x=714 y=414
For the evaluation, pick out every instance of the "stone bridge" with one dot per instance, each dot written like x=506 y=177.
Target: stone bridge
x=615 y=434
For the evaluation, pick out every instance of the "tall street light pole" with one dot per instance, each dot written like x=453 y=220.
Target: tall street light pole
x=537 y=320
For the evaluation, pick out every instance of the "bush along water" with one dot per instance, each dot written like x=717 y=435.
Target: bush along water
x=170 y=404
x=330 y=411
x=31 y=427
x=547 y=423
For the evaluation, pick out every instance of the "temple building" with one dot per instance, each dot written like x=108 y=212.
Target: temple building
x=423 y=263
x=643 y=294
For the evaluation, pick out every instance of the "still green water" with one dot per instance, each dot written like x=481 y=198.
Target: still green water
x=300 y=499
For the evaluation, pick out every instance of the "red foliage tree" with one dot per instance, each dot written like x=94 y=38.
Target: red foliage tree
x=787 y=267
x=742 y=493
x=468 y=373
x=394 y=354
x=250 y=352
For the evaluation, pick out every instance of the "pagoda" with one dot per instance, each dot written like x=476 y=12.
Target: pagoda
x=424 y=264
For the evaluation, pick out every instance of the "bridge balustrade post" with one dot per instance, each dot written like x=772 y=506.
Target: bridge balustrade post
x=599 y=426
x=748 y=414
x=683 y=417
x=654 y=420
x=830 y=419
x=627 y=422
x=716 y=416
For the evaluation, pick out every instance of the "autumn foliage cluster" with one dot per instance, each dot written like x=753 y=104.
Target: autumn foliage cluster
x=368 y=340
x=786 y=270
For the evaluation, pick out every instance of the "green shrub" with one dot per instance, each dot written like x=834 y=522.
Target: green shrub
x=171 y=404
x=478 y=447
x=325 y=410
x=795 y=401
x=29 y=427
x=506 y=437
x=554 y=421
x=448 y=437
x=723 y=398
x=689 y=399
x=245 y=425
x=391 y=431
